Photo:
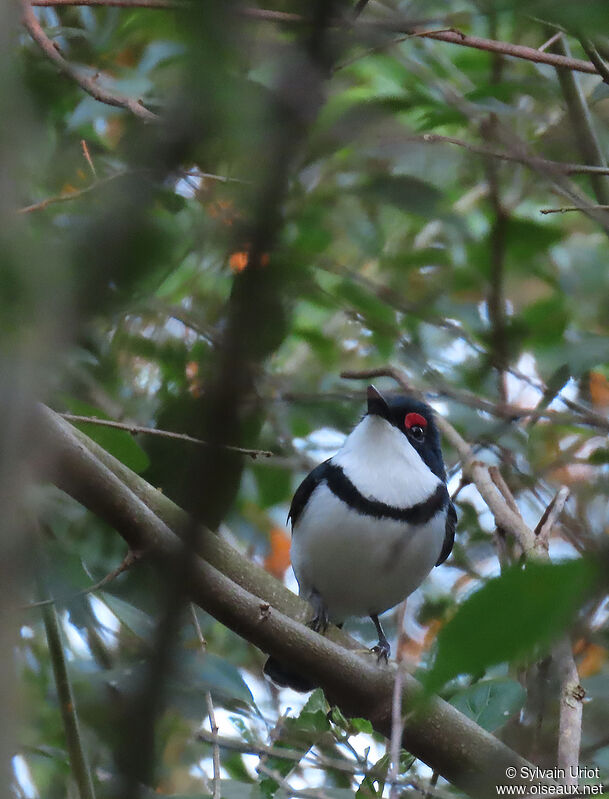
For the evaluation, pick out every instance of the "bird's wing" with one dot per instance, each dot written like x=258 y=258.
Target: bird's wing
x=449 y=536
x=304 y=491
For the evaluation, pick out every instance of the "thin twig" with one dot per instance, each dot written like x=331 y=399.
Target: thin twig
x=397 y=719
x=583 y=125
x=109 y=3
x=76 y=752
x=549 y=518
x=597 y=59
x=550 y=41
x=497 y=478
x=568 y=208
x=128 y=561
x=217 y=788
x=153 y=431
x=88 y=84
x=519 y=158
x=66 y=196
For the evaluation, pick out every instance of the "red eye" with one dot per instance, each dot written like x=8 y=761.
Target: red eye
x=414 y=420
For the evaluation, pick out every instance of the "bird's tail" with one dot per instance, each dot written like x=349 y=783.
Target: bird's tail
x=287 y=677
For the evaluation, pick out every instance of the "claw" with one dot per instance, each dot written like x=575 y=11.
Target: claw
x=320 y=621
x=382 y=650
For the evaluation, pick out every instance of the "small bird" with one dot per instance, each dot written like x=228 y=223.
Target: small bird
x=370 y=523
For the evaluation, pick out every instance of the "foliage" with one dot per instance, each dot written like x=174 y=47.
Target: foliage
x=365 y=228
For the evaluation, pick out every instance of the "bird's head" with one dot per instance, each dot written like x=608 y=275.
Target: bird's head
x=415 y=420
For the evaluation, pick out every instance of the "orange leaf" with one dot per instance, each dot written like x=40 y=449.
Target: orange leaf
x=599 y=390
x=594 y=657
x=238 y=261
x=278 y=559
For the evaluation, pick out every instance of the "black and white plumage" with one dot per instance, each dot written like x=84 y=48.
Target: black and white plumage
x=370 y=523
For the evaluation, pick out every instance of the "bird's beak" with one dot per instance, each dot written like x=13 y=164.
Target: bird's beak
x=376 y=402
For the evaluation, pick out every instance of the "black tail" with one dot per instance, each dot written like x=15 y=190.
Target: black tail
x=286 y=677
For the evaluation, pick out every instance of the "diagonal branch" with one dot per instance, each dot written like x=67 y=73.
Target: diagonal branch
x=451 y=36
x=455 y=746
x=85 y=82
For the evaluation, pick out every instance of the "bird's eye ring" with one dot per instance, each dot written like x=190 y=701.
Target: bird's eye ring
x=415 y=425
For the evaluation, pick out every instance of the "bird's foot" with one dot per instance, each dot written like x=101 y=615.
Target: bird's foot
x=382 y=650
x=320 y=621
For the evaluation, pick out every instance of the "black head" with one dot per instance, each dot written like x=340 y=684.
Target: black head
x=415 y=419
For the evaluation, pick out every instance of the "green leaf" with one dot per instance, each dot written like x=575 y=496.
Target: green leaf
x=491 y=702
x=361 y=725
x=274 y=484
x=509 y=617
x=405 y=192
x=119 y=443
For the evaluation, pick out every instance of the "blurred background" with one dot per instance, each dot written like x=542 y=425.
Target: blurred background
x=209 y=212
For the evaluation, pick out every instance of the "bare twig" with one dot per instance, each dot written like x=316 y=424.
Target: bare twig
x=497 y=478
x=66 y=196
x=78 y=759
x=128 y=561
x=550 y=41
x=88 y=84
x=597 y=59
x=568 y=208
x=153 y=431
x=549 y=518
x=515 y=157
x=397 y=719
x=210 y=710
x=109 y=3
x=583 y=125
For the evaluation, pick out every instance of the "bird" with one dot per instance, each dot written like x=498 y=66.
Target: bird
x=371 y=522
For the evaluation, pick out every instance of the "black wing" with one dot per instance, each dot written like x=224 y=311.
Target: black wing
x=449 y=535
x=304 y=491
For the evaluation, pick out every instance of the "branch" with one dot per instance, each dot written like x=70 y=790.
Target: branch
x=69 y=195
x=109 y=3
x=519 y=158
x=567 y=208
x=154 y=431
x=583 y=125
x=451 y=36
x=442 y=737
x=89 y=85
x=67 y=706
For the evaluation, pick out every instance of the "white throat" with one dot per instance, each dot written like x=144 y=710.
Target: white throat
x=383 y=465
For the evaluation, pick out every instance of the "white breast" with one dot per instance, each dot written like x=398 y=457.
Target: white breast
x=383 y=465
x=358 y=564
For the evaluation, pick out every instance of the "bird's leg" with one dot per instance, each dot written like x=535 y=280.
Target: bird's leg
x=319 y=622
x=382 y=649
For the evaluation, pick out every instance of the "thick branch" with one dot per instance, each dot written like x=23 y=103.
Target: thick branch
x=442 y=737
